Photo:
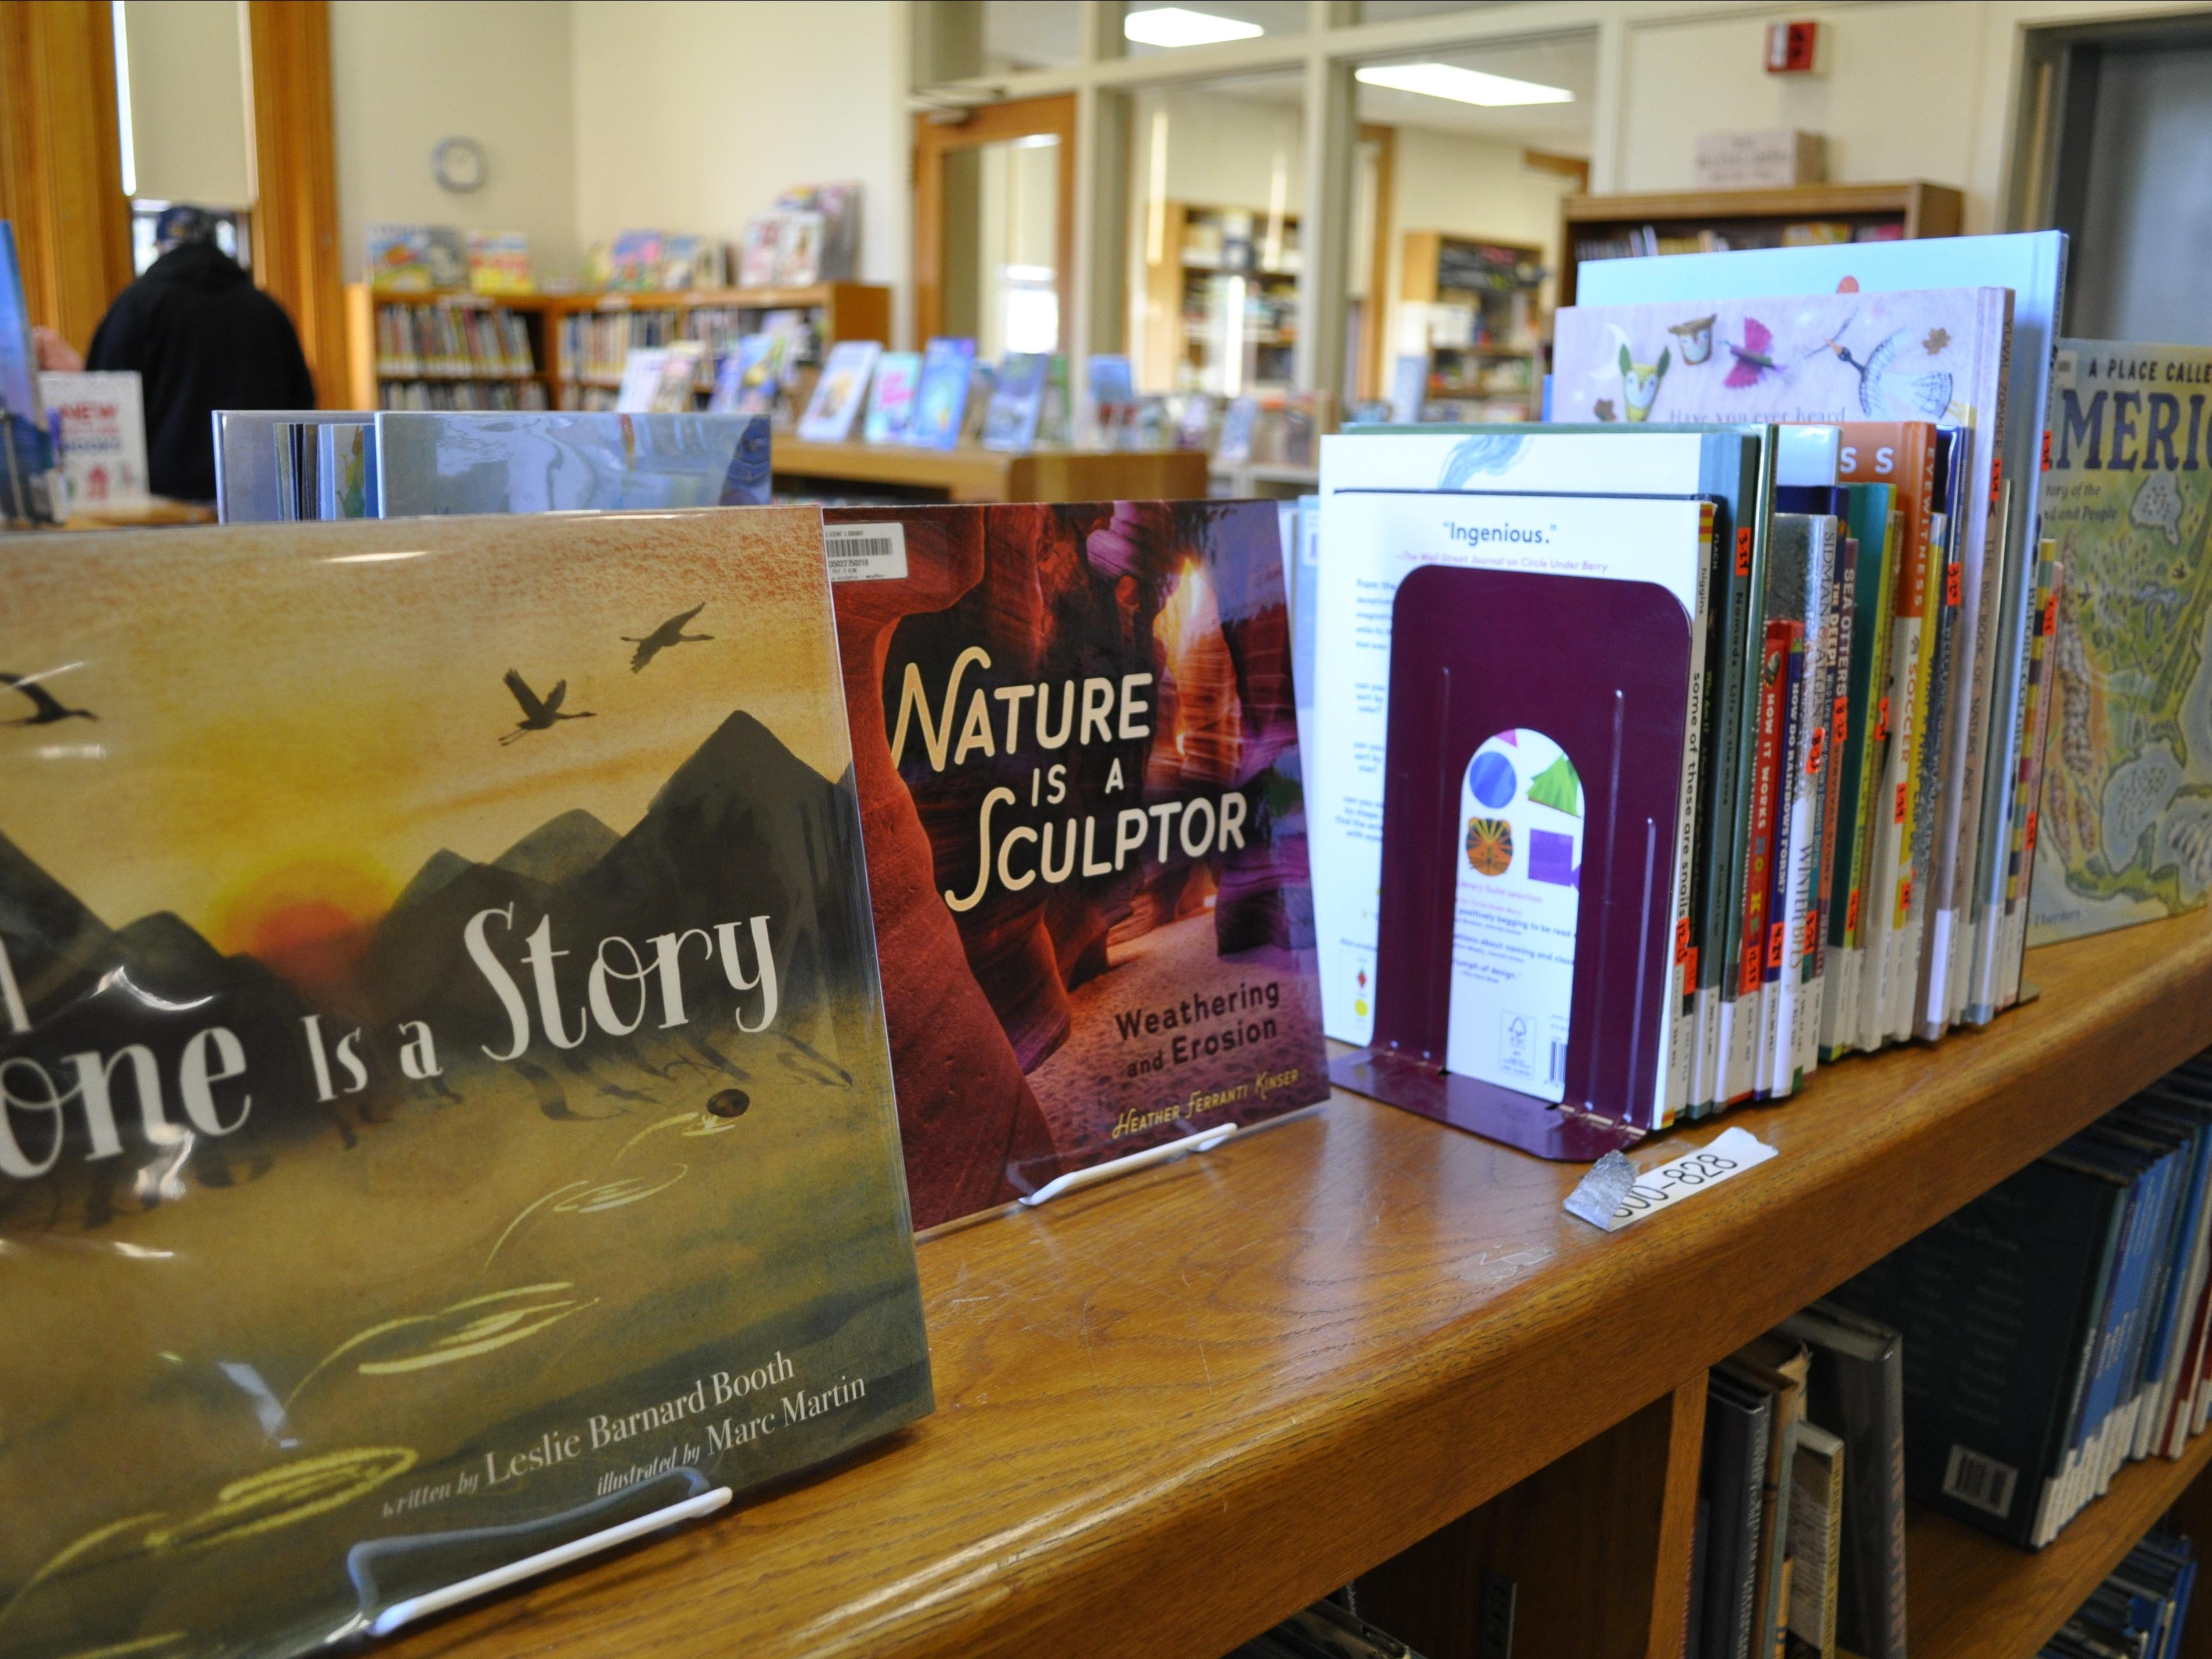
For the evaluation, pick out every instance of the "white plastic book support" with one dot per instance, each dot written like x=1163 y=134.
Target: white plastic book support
x=437 y=1600
x=1204 y=1142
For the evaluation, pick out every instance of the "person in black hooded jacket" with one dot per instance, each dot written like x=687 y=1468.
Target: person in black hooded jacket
x=202 y=338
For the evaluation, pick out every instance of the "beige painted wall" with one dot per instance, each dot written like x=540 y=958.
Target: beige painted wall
x=407 y=73
x=188 y=101
x=692 y=116
x=1910 y=88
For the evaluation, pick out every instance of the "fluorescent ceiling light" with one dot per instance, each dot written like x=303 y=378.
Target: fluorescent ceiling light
x=1462 y=86
x=1175 y=26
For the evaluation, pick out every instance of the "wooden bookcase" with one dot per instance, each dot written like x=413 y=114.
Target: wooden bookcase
x=1174 y=1408
x=1192 y=257
x=1755 y=218
x=840 y=311
x=1512 y=318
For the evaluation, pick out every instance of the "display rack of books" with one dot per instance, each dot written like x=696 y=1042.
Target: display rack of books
x=1223 y=289
x=970 y=473
x=1481 y=322
x=590 y=336
x=1417 y=1352
x=1704 y=221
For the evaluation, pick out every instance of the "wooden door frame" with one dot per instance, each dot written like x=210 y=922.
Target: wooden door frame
x=1374 y=342
x=61 y=166
x=296 y=256
x=934 y=138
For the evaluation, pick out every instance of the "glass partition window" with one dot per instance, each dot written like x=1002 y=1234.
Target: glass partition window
x=1484 y=145
x=1217 y=172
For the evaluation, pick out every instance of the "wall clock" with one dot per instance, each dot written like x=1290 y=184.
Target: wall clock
x=458 y=164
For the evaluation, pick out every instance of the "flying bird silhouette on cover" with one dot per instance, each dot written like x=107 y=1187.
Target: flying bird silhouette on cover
x=538 y=713
x=46 y=710
x=668 y=633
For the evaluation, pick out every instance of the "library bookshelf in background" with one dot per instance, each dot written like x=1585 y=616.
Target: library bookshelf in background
x=460 y=350
x=1693 y=222
x=1484 y=322
x=1221 y=292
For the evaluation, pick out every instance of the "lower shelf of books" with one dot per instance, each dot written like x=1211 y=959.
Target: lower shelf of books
x=1969 y=1595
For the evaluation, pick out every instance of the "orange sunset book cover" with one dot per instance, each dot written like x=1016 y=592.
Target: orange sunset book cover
x=445 y=1106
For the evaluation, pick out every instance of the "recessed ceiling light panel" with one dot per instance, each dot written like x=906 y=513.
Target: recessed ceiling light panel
x=1462 y=86
x=1177 y=26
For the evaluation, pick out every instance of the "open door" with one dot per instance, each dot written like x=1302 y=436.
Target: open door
x=995 y=225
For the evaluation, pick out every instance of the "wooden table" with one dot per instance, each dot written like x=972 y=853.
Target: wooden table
x=970 y=474
x=1174 y=1408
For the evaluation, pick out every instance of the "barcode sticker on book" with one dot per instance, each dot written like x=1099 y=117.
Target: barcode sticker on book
x=864 y=552
x=1981 y=1481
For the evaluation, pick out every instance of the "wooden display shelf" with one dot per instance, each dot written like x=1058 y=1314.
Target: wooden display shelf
x=1967 y=1594
x=1174 y=1408
x=1918 y=209
x=970 y=474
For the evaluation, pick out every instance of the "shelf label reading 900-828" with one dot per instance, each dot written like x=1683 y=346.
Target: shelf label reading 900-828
x=1727 y=1154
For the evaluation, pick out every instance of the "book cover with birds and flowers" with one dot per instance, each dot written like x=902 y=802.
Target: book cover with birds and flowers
x=1077 y=748
x=445 y=1105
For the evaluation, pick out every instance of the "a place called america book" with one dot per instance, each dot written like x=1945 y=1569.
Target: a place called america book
x=2124 y=830
x=447 y=1104
x=1077 y=748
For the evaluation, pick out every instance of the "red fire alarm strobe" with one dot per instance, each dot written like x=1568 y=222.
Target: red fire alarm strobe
x=1790 y=48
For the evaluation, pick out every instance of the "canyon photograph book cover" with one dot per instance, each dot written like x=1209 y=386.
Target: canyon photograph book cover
x=445 y=1104
x=1076 y=744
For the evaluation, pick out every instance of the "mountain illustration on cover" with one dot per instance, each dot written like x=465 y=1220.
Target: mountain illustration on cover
x=1076 y=745
x=445 y=1106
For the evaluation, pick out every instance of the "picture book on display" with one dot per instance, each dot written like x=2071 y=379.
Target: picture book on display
x=940 y=398
x=1939 y=355
x=1618 y=506
x=32 y=489
x=1077 y=752
x=1017 y=401
x=402 y=1041
x=416 y=258
x=548 y=462
x=499 y=262
x=270 y=465
x=2124 y=830
x=1967 y=974
x=840 y=393
x=890 y=401
x=101 y=427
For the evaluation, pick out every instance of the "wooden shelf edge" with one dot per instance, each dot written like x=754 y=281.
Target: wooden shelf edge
x=1967 y=1594
x=1781 y=202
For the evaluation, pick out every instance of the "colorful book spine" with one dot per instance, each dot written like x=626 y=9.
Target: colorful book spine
x=1819 y=984
x=2024 y=815
x=1782 y=636
x=1779 y=887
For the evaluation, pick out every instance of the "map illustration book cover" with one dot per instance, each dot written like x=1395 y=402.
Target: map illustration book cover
x=1076 y=742
x=445 y=1105
x=2123 y=832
